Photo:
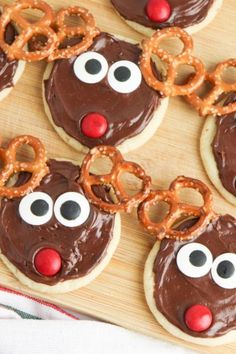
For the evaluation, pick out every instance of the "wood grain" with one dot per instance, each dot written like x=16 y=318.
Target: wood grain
x=117 y=295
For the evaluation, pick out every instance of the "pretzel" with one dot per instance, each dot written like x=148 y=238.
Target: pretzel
x=178 y=210
x=168 y=87
x=88 y=31
x=17 y=50
x=208 y=105
x=124 y=201
x=38 y=167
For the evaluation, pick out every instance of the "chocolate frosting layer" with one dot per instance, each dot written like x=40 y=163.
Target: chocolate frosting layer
x=7 y=67
x=81 y=248
x=184 y=13
x=223 y=147
x=174 y=292
x=70 y=99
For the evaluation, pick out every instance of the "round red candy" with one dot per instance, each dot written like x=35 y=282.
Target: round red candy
x=198 y=318
x=158 y=10
x=94 y=125
x=47 y=262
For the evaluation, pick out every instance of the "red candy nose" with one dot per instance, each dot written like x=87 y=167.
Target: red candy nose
x=198 y=318
x=47 y=262
x=158 y=10
x=94 y=125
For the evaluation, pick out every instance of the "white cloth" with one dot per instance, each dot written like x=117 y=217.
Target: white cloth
x=68 y=335
x=77 y=337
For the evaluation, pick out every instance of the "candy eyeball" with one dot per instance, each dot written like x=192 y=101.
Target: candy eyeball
x=90 y=67
x=71 y=209
x=124 y=76
x=224 y=270
x=194 y=260
x=36 y=208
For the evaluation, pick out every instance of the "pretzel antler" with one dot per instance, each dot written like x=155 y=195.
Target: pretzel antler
x=51 y=26
x=208 y=105
x=168 y=87
x=124 y=201
x=87 y=32
x=17 y=50
x=178 y=210
x=38 y=167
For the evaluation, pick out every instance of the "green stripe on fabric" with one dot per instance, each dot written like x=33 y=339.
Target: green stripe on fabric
x=24 y=315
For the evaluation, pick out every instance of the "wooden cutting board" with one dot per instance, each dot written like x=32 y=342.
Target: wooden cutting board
x=117 y=294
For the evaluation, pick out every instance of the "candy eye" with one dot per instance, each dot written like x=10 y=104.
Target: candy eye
x=36 y=208
x=124 y=76
x=224 y=270
x=90 y=67
x=71 y=209
x=194 y=260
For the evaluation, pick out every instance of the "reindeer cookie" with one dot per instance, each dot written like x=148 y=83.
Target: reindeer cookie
x=146 y=16
x=60 y=225
x=217 y=151
x=190 y=274
x=51 y=237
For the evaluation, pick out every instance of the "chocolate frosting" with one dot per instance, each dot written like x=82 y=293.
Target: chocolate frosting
x=70 y=99
x=174 y=292
x=184 y=13
x=81 y=248
x=223 y=147
x=7 y=67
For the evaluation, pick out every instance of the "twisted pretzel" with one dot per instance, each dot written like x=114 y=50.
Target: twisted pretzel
x=208 y=105
x=178 y=210
x=38 y=167
x=17 y=50
x=124 y=201
x=88 y=31
x=168 y=87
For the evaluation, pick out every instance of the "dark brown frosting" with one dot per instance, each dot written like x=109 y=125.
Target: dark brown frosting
x=224 y=148
x=175 y=293
x=7 y=67
x=81 y=248
x=70 y=99
x=184 y=13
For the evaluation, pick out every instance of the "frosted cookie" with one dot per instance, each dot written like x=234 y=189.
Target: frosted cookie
x=51 y=237
x=190 y=287
x=146 y=16
x=10 y=70
x=100 y=97
x=217 y=147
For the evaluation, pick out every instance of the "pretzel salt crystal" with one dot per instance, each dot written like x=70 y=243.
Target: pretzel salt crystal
x=17 y=50
x=87 y=32
x=124 y=201
x=177 y=211
x=208 y=105
x=38 y=167
x=168 y=87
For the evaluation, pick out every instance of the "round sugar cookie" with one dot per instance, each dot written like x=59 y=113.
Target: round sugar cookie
x=190 y=286
x=101 y=98
x=147 y=16
x=53 y=240
x=217 y=148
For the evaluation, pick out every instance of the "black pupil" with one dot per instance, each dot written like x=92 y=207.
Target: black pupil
x=93 y=66
x=122 y=74
x=39 y=207
x=225 y=269
x=70 y=210
x=197 y=258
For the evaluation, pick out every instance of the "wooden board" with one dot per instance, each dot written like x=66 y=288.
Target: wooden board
x=117 y=295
